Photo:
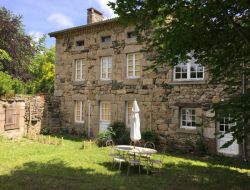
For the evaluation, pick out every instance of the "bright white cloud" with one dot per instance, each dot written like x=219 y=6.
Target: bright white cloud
x=60 y=20
x=108 y=12
x=36 y=35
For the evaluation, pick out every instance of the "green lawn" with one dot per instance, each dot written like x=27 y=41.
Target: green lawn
x=30 y=165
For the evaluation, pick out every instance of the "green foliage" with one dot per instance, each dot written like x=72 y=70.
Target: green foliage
x=4 y=56
x=237 y=108
x=16 y=44
x=150 y=136
x=45 y=131
x=120 y=134
x=10 y=86
x=43 y=68
x=103 y=137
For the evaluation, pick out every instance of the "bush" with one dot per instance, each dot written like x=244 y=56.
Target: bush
x=45 y=131
x=103 y=137
x=120 y=134
x=150 y=136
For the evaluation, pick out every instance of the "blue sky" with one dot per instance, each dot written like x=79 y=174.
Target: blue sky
x=44 y=16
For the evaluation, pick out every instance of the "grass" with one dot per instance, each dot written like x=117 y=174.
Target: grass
x=26 y=164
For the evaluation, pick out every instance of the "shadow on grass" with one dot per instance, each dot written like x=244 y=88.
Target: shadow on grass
x=215 y=160
x=57 y=175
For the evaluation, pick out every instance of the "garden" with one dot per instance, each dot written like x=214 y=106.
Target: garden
x=31 y=164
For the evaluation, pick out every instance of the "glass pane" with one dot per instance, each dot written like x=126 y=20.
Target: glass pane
x=177 y=69
x=193 y=124
x=130 y=73
x=193 y=68
x=137 y=73
x=184 y=75
x=199 y=75
x=184 y=123
x=222 y=128
x=193 y=75
x=178 y=75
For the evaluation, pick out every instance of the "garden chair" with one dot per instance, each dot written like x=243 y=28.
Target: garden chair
x=134 y=159
x=149 y=144
x=156 y=165
x=116 y=156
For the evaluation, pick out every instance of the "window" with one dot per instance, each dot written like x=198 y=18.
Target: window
x=80 y=43
x=189 y=71
x=129 y=105
x=225 y=123
x=134 y=65
x=79 y=111
x=80 y=70
x=131 y=35
x=106 y=68
x=188 y=118
x=105 y=111
x=106 y=39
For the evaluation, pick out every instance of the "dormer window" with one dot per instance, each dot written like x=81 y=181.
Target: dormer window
x=131 y=35
x=105 y=39
x=80 y=43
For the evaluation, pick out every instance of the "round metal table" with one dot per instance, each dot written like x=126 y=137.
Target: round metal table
x=136 y=149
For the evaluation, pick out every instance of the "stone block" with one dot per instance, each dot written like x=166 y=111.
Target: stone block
x=147 y=81
x=209 y=132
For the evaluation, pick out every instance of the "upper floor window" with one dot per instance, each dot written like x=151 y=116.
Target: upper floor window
x=80 y=43
x=129 y=105
x=80 y=68
x=106 y=68
x=79 y=111
x=189 y=71
x=131 y=35
x=188 y=118
x=106 y=39
x=134 y=65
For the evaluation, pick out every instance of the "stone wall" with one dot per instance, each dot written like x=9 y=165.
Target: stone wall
x=22 y=114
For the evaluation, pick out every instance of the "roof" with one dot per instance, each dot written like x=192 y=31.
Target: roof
x=53 y=34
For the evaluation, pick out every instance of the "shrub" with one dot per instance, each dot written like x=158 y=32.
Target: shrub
x=103 y=137
x=45 y=131
x=150 y=136
x=120 y=134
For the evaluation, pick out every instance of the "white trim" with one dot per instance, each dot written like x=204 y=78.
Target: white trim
x=107 y=64
x=82 y=70
x=187 y=127
x=81 y=112
x=134 y=65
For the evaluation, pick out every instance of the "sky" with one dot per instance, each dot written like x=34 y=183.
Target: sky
x=43 y=16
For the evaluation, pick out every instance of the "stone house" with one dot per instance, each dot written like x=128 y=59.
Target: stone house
x=100 y=71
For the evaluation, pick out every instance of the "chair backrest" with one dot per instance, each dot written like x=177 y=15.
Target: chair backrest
x=137 y=143
x=110 y=142
x=149 y=145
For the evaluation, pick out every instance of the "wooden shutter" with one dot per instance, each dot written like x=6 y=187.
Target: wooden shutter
x=11 y=118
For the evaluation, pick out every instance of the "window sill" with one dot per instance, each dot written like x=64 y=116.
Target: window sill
x=191 y=82
x=187 y=131
x=79 y=82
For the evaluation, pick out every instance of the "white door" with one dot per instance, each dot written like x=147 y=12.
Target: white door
x=105 y=116
x=224 y=125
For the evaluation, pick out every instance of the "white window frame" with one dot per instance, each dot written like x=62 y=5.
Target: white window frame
x=101 y=111
x=82 y=69
x=224 y=123
x=81 y=112
x=181 y=119
x=127 y=115
x=108 y=64
x=191 y=62
x=134 y=66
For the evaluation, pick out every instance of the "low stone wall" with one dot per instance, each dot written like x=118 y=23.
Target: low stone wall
x=28 y=114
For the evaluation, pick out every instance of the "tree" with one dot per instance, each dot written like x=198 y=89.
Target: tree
x=216 y=31
x=43 y=68
x=16 y=43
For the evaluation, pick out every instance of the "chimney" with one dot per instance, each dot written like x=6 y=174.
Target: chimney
x=94 y=16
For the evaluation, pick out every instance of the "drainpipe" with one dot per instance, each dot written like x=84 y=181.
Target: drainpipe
x=89 y=117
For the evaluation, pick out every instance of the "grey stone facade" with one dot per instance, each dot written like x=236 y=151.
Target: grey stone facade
x=160 y=98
